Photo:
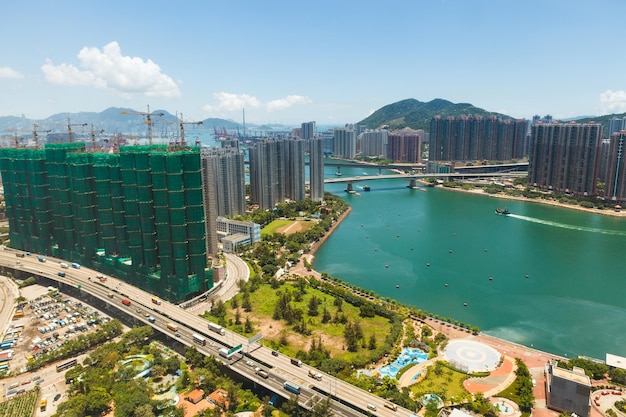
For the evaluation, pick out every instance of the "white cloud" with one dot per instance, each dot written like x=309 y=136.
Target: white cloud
x=285 y=103
x=108 y=69
x=6 y=73
x=232 y=102
x=613 y=101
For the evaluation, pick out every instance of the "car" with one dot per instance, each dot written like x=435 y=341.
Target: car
x=274 y=353
x=250 y=363
x=56 y=397
x=178 y=335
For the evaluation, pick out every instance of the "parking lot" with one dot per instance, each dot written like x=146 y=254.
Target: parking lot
x=48 y=320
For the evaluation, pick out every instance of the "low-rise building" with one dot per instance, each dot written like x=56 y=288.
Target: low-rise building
x=234 y=233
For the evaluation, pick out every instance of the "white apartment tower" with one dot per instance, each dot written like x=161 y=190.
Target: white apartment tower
x=223 y=189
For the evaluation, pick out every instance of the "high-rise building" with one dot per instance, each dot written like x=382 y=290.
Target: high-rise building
x=565 y=157
x=344 y=145
x=137 y=214
x=308 y=130
x=223 y=188
x=276 y=171
x=404 y=146
x=568 y=391
x=316 y=168
x=471 y=138
x=615 y=126
x=615 y=187
x=374 y=142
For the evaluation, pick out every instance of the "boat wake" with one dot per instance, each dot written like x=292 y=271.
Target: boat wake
x=568 y=226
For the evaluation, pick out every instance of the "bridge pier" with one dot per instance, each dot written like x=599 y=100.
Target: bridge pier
x=412 y=183
x=349 y=188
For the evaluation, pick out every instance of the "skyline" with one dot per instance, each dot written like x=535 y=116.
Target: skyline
x=332 y=62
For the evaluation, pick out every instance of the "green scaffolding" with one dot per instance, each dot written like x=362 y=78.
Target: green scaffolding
x=137 y=214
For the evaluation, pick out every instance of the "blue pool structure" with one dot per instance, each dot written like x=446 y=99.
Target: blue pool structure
x=407 y=356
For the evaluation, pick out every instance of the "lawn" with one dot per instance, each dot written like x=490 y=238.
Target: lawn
x=287 y=227
x=331 y=333
x=443 y=381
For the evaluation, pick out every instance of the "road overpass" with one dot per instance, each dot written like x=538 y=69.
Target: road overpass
x=347 y=400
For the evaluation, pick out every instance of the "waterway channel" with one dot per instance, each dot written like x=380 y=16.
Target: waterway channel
x=545 y=277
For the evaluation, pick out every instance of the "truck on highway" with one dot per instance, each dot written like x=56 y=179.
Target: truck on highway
x=19 y=254
x=41 y=259
x=172 y=327
x=315 y=375
x=262 y=373
x=156 y=301
x=75 y=265
x=43 y=404
x=63 y=265
x=217 y=328
x=296 y=362
x=126 y=301
x=224 y=353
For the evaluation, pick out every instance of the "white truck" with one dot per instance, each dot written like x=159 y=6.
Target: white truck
x=315 y=375
x=217 y=328
x=63 y=265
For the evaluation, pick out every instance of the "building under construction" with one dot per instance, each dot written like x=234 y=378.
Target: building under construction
x=137 y=214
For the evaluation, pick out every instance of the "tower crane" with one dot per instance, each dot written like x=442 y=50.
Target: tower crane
x=93 y=137
x=16 y=138
x=182 y=124
x=69 y=129
x=148 y=120
x=36 y=132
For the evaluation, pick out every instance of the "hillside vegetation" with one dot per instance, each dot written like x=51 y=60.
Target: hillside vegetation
x=417 y=115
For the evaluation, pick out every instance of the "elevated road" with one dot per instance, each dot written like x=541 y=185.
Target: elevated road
x=347 y=400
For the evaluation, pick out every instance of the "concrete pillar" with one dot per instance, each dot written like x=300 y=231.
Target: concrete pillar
x=349 y=187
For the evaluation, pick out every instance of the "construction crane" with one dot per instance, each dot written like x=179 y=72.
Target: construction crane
x=36 y=134
x=69 y=129
x=93 y=137
x=182 y=124
x=148 y=120
x=16 y=138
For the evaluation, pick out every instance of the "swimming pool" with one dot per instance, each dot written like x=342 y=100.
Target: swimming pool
x=407 y=356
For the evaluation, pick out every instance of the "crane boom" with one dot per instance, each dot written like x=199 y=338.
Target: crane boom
x=148 y=120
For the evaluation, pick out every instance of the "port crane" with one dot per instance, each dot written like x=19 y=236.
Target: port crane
x=148 y=120
x=182 y=124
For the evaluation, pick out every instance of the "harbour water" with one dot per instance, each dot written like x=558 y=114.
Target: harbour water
x=545 y=277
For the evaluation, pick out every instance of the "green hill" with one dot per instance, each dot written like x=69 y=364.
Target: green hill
x=417 y=115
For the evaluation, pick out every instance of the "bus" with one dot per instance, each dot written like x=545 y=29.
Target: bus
x=198 y=339
x=172 y=327
x=292 y=387
x=66 y=365
x=42 y=404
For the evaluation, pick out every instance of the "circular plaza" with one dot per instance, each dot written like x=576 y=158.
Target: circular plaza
x=471 y=356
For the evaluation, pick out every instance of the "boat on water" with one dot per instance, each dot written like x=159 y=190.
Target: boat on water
x=366 y=188
x=338 y=173
x=503 y=211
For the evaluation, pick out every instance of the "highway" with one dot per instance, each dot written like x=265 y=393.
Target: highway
x=348 y=400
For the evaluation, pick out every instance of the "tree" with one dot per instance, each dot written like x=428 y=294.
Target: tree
x=313 y=306
x=248 y=328
x=372 y=343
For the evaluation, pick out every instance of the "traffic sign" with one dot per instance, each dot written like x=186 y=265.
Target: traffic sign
x=235 y=349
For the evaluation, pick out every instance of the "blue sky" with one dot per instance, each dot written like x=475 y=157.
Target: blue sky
x=333 y=61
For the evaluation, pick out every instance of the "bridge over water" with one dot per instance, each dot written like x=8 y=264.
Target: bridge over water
x=412 y=178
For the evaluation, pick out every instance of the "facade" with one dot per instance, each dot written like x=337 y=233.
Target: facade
x=565 y=157
x=615 y=182
x=568 y=391
x=344 y=145
x=474 y=138
x=374 y=142
x=316 y=168
x=137 y=214
x=615 y=126
x=276 y=172
x=235 y=233
x=308 y=130
x=404 y=146
x=224 y=192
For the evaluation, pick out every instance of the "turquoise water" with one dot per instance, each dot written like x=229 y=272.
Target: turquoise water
x=408 y=356
x=546 y=277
